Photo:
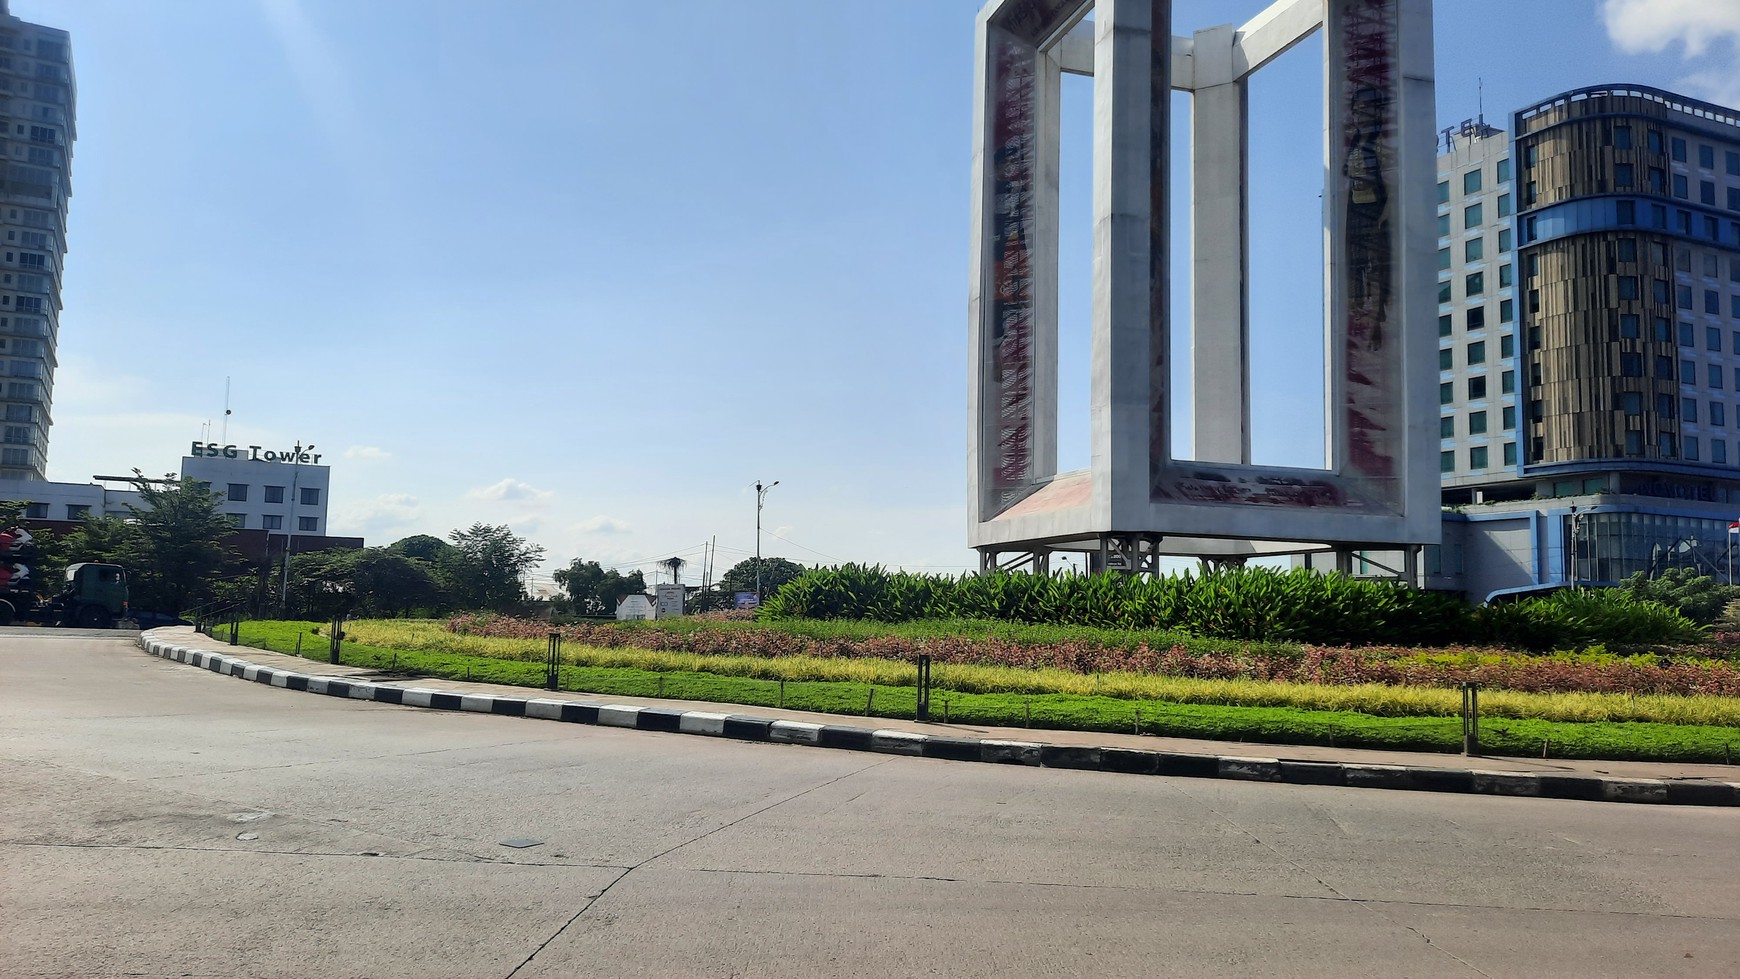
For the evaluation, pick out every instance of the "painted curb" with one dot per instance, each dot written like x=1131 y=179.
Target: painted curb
x=743 y=727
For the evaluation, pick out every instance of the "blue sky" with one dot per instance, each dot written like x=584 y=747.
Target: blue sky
x=591 y=269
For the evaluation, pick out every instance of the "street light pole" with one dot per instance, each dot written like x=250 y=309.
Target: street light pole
x=290 y=527
x=760 y=495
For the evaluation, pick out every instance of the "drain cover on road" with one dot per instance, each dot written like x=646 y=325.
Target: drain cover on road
x=521 y=844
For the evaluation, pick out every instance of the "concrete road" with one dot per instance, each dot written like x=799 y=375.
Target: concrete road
x=158 y=820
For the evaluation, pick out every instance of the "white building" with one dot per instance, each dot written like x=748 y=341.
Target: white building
x=636 y=606
x=264 y=489
x=37 y=99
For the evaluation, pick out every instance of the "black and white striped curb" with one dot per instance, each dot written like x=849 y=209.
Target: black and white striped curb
x=1132 y=761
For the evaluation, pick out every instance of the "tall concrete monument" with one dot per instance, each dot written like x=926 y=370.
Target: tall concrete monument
x=1378 y=488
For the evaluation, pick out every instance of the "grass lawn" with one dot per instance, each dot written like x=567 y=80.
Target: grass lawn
x=809 y=686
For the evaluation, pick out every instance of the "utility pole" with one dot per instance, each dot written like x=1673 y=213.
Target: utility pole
x=290 y=525
x=760 y=495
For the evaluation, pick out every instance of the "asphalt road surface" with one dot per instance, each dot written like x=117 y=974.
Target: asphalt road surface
x=159 y=820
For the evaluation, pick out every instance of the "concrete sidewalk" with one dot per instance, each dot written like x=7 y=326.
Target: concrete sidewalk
x=1617 y=781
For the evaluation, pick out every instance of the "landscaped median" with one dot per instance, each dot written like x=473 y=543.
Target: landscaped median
x=1568 y=724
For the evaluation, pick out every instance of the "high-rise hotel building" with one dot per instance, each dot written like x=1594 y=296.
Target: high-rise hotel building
x=37 y=99
x=1589 y=342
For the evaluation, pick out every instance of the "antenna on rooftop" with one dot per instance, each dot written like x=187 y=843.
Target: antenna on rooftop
x=226 y=436
x=1480 y=99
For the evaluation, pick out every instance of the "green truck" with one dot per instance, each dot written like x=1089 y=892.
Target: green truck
x=93 y=596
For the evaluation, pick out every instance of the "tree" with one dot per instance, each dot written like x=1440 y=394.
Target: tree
x=176 y=554
x=594 y=591
x=488 y=566
x=775 y=571
x=423 y=547
x=675 y=566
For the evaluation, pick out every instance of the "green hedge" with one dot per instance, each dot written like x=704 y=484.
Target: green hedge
x=1250 y=604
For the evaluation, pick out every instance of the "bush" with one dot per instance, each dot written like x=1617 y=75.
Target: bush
x=1250 y=604
x=1699 y=598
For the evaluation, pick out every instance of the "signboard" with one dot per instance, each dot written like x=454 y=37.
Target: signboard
x=744 y=600
x=253 y=453
x=670 y=600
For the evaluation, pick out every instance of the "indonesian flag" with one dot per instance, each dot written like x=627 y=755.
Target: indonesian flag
x=1734 y=528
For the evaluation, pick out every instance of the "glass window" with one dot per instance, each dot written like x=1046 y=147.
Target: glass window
x=274 y=494
x=1444 y=363
x=1471 y=216
x=1713 y=306
x=1447 y=461
x=1477 y=352
x=1474 y=249
x=1688 y=371
x=1477 y=387
x=1718 y=414
x=1631 y=402
x=237 y=520
x=1712 y=338
x=1446 y=426
x=1507 y=382
x=1630 y=364
x=1734 y=198
x=1622 y=137
x=1625 y=212
x=1443 y=259
x=1664 y=405
x=1628 y=329
x=1504 y=278
x=1686 y=334
x=1706 y=156
x=1623 y=179
x=1707 y=192
x=1509 y=418
x=1444 y=292
x=307 y=524
x=1471 y=182
x=1443 y=225
x=1718 y=451
x=1477 y=317
x=1474 y=283
x=1733 y=161
x=1510 y=453
x=1503 y=171
x=1627 y=286
x=1504 y=239
x=310 y=496
x=1679 y=149
x=1477 y=457
x=271 y=521
x=1681 y=188
x=1625 y=249
x=1662 y=331
x=1634 y=443
x=238 y=492
x=1507 y=345
x=1443 y=191
x=1715 y=376
x=1683 y=297
x=1506 y=311
x=1477 y=423
x=1504 y=205
x=1689 y=409
x=1444 y=326
x=1691 y=443
x=1447 y=392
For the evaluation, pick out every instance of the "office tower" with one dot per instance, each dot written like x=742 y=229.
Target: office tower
x=1589 y=326
x=37 y=98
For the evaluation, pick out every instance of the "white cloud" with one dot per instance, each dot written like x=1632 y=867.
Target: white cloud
x=1709 y=30
x=602 y=524
x=1638 y=26
x=511 y=490
x=366 y=452
x=371 y=517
